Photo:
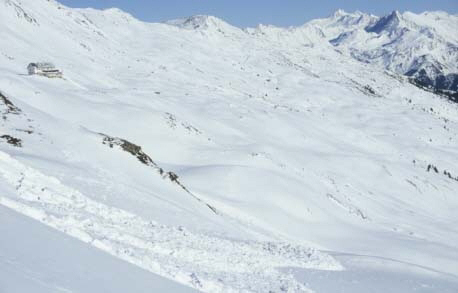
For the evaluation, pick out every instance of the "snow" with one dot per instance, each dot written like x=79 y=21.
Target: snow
x=298 y=166
x=159 y=249
x=35 y=258
x=378 y=274
x=401 y=42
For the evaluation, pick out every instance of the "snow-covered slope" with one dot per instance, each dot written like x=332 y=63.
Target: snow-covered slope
x=228 y=159
x=36 y=258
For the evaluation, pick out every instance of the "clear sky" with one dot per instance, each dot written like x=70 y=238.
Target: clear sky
x=245 y=13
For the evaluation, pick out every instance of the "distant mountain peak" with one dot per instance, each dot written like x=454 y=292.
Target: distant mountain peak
x=387 y=23
x=339 y=13
x=348 y=19
x=199 y=22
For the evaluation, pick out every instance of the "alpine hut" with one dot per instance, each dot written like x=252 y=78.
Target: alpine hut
x=45 y=69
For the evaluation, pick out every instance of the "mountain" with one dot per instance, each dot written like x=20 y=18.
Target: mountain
x=423 y=47
x=391 y=24
x=225 y=159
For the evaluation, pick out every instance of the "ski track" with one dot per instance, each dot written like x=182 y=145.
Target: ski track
x=204 y=262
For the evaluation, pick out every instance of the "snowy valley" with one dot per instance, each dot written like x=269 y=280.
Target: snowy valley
x=195 y=155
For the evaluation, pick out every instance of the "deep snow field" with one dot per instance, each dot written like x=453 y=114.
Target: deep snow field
x=197 y=155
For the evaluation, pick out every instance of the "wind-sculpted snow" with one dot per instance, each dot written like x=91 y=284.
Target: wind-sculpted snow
x=204 y=262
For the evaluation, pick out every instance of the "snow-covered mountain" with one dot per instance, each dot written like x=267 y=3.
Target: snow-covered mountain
x=226 y=159
x=424 y=46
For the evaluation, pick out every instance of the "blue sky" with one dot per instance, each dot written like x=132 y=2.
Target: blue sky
x=252 y=12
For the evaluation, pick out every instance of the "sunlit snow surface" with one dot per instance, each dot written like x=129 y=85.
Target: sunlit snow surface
x=299 y=168
x=35 y=258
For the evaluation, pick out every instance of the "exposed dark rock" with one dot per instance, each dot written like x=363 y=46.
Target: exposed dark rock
x=173 y=177
x=10 y=107
x=365 y=89
x=28 y=131
x=129 y=147
x=20 y=12
x=450 y=176
x=137 y=152
x=445 y=172
x=432 y=167
x=368 y=89
x=17 y=142
x=212 y=208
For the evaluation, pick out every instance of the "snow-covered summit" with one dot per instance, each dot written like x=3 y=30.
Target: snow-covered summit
x=198 y=22
x=343 y=18
x=206 y=24
x=388 y=23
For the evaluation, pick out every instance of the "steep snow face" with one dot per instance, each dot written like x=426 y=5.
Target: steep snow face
x=227 y=159
x=423 y=46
